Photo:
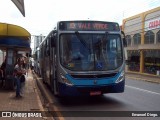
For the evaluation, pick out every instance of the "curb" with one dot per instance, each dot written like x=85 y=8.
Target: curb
x=143 y=79
x=48 y=100
x=143 y=74
x=43 y=95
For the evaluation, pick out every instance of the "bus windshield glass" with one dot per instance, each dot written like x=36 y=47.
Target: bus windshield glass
x=90 y=52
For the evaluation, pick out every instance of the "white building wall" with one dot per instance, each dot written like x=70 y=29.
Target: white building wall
x=133 y=26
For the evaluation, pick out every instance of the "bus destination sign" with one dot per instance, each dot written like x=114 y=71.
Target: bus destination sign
x=89 y=25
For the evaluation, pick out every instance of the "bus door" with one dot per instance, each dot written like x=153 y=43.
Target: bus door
x=47 y=61
x=53 y=64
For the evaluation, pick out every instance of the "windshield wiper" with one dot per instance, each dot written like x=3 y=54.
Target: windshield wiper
x=82 y=41
x=103 y=54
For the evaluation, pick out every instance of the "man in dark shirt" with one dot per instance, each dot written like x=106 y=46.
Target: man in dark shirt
x=2 y=71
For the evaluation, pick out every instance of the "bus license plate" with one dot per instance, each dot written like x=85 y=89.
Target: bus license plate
x=92 y=93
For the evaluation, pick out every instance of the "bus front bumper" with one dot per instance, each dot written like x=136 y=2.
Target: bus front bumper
x=65 y=90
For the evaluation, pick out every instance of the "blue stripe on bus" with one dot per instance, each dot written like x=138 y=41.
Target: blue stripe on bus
x=86 y=82
x=12 y=41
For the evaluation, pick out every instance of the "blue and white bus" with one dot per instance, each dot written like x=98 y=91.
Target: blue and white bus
x=84 y=58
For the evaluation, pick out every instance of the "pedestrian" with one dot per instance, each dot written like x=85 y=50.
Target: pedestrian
x=19 y=72
x=32 y=64
x=3 y=69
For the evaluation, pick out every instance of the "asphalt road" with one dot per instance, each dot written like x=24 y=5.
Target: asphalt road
x=140 y=98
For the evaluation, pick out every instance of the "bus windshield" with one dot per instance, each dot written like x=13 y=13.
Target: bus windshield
x=90 y=52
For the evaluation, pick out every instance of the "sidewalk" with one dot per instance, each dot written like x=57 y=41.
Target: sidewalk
x=29 y=102
x=144 y=77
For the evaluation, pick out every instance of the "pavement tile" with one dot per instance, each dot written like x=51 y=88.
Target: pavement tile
x=28 y=102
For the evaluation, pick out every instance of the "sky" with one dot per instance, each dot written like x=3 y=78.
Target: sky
x=41 y=16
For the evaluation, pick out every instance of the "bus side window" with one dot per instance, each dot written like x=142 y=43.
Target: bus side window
x=47 y=48
x=53 y=39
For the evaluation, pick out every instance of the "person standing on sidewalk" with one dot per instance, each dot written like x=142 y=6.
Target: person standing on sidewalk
x=19 y=71
x=2 y=70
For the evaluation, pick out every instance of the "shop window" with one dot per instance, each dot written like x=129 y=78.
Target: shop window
x=152 y=61
x=133 y=61
x=128 y=39
x=137 y=39
x=158 y=36
x=149 y=37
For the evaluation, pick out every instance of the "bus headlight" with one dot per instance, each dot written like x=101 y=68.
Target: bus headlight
x=121 y=77
x=66 y=81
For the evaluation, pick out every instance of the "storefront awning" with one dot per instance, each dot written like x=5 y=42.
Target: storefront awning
x=11 y=30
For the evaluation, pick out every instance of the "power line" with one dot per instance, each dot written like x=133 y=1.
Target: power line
x=148 y=6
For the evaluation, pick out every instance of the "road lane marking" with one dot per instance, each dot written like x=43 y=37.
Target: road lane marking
x=143 y=90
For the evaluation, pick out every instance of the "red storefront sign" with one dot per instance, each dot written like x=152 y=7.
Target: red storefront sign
x=152 y=24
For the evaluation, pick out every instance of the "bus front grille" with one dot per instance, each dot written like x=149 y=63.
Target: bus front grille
x=94 y=76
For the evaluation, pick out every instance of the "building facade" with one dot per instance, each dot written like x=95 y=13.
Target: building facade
x=143 y=39
x=37 y=41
